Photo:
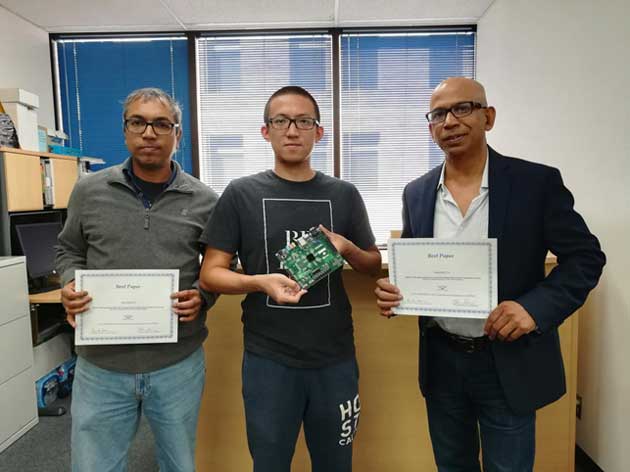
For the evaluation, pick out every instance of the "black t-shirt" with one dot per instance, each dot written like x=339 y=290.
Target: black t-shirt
x=150 y=190
x=256 y=217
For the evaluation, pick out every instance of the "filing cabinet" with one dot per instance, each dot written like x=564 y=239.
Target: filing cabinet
x=18 y=404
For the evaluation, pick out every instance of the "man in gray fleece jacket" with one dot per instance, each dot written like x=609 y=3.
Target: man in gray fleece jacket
x=143 y=214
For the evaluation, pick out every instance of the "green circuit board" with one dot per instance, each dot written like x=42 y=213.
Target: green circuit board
x=310 y=258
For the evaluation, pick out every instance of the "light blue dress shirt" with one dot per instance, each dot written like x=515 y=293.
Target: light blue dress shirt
x=449 y=223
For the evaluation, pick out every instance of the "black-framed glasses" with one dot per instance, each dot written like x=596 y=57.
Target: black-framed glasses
x=459 y=110
x=139 y=126
x=283 y=122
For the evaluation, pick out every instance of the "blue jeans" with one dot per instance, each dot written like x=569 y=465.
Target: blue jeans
x=465 y=403
x=106 y=408
x=279 y=398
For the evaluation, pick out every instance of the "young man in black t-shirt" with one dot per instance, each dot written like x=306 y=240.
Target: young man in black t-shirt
x=299 y=364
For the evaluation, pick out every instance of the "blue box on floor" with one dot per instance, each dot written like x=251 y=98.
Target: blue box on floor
x=66 y=375
x=47 y=388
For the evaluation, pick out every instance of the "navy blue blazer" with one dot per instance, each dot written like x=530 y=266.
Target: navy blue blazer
x=530 y=212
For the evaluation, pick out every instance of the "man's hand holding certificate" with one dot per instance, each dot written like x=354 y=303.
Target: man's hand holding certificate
x=439 y=277
x=127 y=307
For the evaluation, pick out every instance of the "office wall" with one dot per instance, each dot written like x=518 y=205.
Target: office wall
x=559 y=76
x=25 y=62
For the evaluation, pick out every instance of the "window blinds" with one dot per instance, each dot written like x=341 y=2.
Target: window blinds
x=96 y=75
x=236 y=75
x=386 y=84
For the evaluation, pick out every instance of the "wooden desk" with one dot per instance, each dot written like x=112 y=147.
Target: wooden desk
x=393 y=433
x=54 y=296
x=52 y=346
x=47 y=315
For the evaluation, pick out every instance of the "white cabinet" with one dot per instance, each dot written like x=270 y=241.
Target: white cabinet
x=18 y=404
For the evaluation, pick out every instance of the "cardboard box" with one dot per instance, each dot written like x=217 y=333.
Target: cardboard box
x=18 y=95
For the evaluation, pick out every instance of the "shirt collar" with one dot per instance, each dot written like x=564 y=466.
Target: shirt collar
x=484 y=177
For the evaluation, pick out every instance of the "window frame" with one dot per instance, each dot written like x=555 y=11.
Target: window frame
x=193 y=86
x=192 y=68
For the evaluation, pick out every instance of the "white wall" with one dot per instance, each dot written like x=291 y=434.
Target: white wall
x=25 y=62
x=559 y=75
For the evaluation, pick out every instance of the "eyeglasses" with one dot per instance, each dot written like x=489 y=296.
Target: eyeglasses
x=459 y=110
x=282 y=122
x=139 y=126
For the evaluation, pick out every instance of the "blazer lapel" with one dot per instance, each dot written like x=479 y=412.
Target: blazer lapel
x=500 y=184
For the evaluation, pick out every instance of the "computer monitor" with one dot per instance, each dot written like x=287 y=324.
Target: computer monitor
x=38 y=241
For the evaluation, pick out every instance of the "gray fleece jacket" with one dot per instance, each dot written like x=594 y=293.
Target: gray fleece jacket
x=108 y=227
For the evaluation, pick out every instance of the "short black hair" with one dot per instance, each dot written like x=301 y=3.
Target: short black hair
x=291 y=90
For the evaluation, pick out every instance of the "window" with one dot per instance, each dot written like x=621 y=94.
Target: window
x=386 y=84
x=96 y=75
x=237 y=74
x=378 y=96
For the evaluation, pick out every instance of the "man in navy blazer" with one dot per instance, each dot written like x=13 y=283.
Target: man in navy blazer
x=485 y=379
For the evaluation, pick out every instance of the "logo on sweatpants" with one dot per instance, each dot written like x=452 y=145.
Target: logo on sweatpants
x=350 y=411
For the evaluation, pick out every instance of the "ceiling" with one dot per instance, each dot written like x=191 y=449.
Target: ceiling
x=65 y=16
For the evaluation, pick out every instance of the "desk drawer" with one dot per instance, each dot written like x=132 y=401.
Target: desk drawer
x=18 y=406
x=14 y=293
x=16 y=348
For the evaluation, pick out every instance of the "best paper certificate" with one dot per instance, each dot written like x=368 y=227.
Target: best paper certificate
x=127 y=307
x=444 y=277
